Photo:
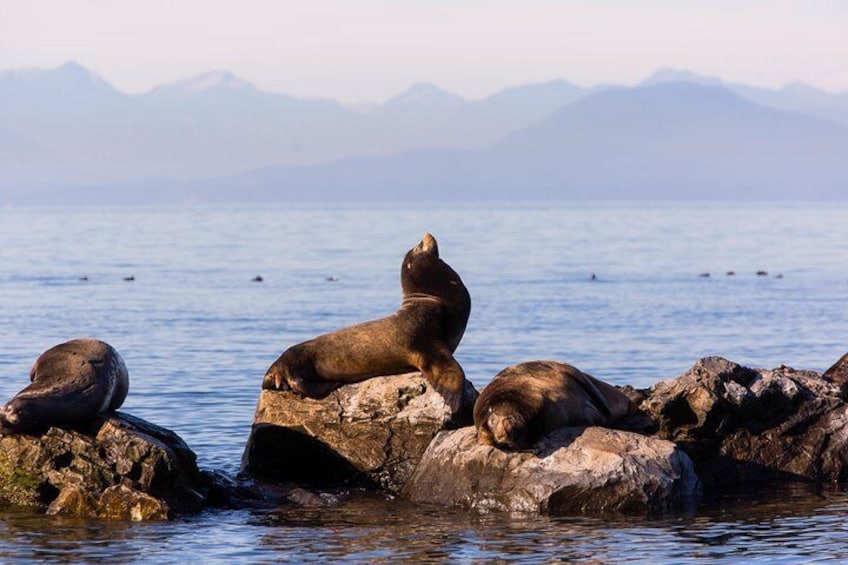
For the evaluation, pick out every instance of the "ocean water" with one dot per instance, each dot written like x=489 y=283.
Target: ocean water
x=197 y=335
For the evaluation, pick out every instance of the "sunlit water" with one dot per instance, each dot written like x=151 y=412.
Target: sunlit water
x=197 y=336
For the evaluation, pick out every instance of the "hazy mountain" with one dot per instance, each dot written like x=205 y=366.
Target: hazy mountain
x=667 y=140
x=677 y=135
x=216 y=123
x=18 y=151
x=795 y=96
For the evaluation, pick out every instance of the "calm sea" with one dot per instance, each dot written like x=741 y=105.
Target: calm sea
x=197 y=335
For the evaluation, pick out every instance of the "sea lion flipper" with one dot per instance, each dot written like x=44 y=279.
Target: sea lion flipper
x=448 y=378
x=313 y=388
x=596 y=395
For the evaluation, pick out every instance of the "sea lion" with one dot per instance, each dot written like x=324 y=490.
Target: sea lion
x=525 y=402
x=422 y=335
x=72 y=383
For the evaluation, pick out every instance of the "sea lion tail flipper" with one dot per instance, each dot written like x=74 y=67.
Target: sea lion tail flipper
x=448 y=378
x=596 y=395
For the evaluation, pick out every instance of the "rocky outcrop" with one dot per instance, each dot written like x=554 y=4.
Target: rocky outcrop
x=372 y=433
x=118 y=467
x=572 y=471
x=838 y=372
x=740 y=425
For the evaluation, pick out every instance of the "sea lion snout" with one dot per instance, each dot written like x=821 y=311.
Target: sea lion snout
x=505 y=429
x=16 y=415
x=429 y=245
x=273 y=378
x=8 y=415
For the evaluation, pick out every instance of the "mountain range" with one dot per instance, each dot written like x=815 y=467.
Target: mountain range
x=67 y=135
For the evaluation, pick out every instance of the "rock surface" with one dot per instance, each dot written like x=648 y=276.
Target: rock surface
x=119 y=467
x=740 y=424
x=838 y=372
x=573 y=470
x=370 y=433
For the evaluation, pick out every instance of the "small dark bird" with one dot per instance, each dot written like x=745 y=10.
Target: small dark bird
x=593 y=277
x=257 y=278
x=704 y=275
x=332 y=279
x=730 y=273
x=83 y=278
x=762 y=273
x=129 y=278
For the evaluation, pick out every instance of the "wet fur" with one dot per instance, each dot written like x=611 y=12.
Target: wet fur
x=71 y=383
x=422 y=335
x=525 y=402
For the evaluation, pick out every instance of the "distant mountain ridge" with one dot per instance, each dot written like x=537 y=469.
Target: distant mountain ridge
x=67 y=133
x=216 y=124
x=661 y=141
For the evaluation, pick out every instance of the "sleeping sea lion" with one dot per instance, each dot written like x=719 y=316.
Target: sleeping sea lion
x=422 y=335
x=72 y=383
x=525 y=402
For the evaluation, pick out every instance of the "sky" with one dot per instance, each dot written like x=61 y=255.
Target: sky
x=369 y=50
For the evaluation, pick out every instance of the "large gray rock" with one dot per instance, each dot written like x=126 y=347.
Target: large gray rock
x=373 y=432
x=572 y=471
x=118 y=467
x=740 y=424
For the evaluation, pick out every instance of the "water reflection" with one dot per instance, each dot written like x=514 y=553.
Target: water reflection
x=792 y=523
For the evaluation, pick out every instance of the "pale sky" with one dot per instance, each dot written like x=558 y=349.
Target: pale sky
x=357 y=50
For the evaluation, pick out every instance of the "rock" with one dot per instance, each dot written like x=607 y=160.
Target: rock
x=838 y=372
x=572 y=471
x=740 y=425
x=118 y=502
x=369 y=433
x=119 y=467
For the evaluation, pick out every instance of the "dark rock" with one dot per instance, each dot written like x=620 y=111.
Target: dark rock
x=740 y=425
x=369 y=433
x=572 y=471
x=78 y=472
x=838 y=372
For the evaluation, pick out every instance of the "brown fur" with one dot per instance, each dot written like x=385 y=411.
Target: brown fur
x=72 y=383
x=525 y=402
x=422 y=335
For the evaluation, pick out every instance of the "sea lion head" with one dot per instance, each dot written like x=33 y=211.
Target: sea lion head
x=425 y=278
x=423 y=272
x=23 y=414
x=274 y=378
x=504 y=428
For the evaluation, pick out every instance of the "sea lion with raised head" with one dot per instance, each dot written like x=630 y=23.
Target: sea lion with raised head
x=526 y=402
x=71 y=384
x=422 y=335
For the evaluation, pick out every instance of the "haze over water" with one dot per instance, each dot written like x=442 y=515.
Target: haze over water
x=197 y=336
